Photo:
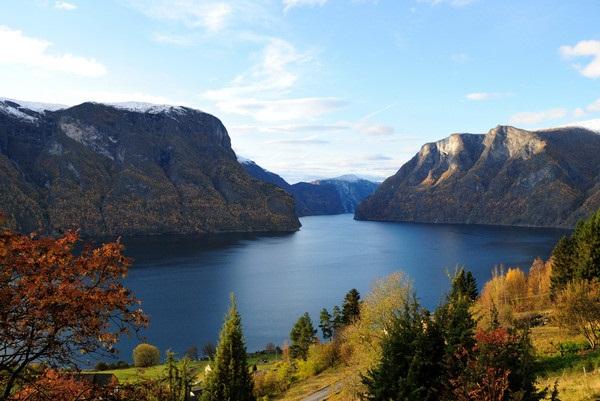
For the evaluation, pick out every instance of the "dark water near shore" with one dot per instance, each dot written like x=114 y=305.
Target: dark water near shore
x=185 y=283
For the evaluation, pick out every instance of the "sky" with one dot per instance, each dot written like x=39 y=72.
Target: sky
x=316 y=88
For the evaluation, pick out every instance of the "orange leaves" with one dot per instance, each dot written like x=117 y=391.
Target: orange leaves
x=56 y=303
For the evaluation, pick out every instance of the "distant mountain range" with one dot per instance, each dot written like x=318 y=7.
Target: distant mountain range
x=508 y=176
x=129 y=169
x=329 y=196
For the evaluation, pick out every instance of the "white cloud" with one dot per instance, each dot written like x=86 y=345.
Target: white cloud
x=585 y=48
x=373 y=129
x=257 y=93
x=454 y=3
x=279 y=110
x=63 y=5
x=312 y=140
x=289 y=4
x=18 y=49
x=480 y=96
x=594 y=107
x=536 y=117
x=211 y=15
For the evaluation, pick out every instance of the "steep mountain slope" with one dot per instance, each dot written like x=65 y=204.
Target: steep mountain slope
x=331 y=196
x=129 y=169
x=508 y=176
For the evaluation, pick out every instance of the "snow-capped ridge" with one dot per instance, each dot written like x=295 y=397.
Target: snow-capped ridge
x=142 y=107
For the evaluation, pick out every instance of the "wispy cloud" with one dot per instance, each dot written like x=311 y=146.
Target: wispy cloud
x=63 y=5
x=453 y=3
x=258 y=93
x=210 y=15
x=289 y=4
x=593 y=107
x=481 y=96
x=312 y=140
x=537 y=117
x=585 y=48
x=18 y=49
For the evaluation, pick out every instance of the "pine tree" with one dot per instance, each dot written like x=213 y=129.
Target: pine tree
x=337 y=319
x=302 y=336
x=458 y=327
x=178 y=377
x=230 y=379
x=326 y=324
x=563 y=256
x=464 y=284
x=411 y=366
x=351 y=307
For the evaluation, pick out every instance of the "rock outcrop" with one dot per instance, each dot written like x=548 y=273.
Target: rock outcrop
x=129 y=170
x=509 y=176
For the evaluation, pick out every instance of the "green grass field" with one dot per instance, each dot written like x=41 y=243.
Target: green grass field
x=133 y=374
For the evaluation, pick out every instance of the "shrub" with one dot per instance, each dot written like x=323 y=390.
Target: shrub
x=320 y=357
x=578 y=309
x=101 y=366
x=274 y=381
x=145 y=355
x=571 y=348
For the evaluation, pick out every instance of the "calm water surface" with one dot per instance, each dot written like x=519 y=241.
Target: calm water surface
x=185 y=283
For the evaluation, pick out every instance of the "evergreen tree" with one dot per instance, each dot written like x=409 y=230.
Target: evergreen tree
x=587 y=248
x=326 y=324
x=351 y=306
x=179 y=378
x=464 y=284
x=562 y=263
x=577 y=256
x=230 y=379
x=458 y=330
x=302 y=336
x=411 y=366
x=337 y=319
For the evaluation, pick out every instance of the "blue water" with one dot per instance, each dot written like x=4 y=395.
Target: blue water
x=184 y=283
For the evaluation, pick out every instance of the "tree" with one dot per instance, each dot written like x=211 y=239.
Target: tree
x=209 y=350
x=577 y=257
x=302 y=336
x=464 y=284
x=326 y=324
x=145 y=355
x=230 y=378
x=411 y=365
x=178 y=377
x=578 y=309
x=458 y=330
x=337 y=319
x=56 y=305
x=191 y=353
x=351 y=306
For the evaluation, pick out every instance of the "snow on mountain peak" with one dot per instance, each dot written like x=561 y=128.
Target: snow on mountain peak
x=141 y=107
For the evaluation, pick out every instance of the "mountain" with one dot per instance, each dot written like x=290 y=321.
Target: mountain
x=129 y=169
x=508 y=176
x=330 y=196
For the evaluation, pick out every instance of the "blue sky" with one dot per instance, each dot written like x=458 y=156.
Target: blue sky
x=316 y=88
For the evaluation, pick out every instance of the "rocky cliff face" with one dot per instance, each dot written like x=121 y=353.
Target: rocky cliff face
x=115 y=170
x=508 y=176
x=331 y=196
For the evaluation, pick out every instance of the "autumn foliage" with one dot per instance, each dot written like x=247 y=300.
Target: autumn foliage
x=57 y=304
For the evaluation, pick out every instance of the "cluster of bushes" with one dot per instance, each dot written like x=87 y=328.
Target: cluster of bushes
x=513 y=291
